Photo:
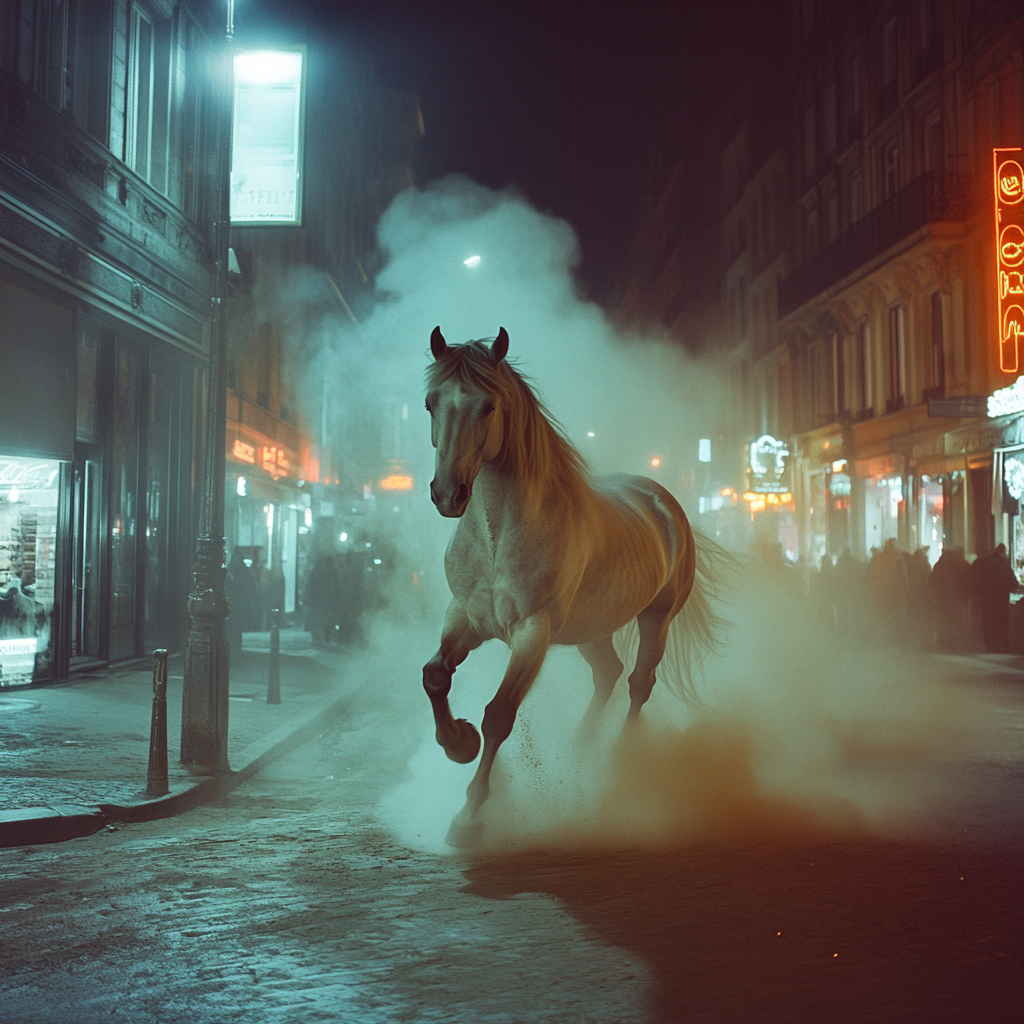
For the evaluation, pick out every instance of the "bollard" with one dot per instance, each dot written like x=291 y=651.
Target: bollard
x=156 y=780
x=274 y=688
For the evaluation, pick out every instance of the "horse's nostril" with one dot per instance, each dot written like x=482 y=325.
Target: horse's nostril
x=433 y=491
x=461 y=496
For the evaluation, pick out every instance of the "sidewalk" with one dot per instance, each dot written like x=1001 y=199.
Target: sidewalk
x=74 y=756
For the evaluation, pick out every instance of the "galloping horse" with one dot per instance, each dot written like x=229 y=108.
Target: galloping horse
x=544 y=555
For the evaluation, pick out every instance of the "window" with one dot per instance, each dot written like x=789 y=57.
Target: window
x=891 y=168
x=811 y=241
x=897 y=358
x=865 y=370
x=938 y=345
x=832 y=208
x=890 y=64
x=829 y=114
x=838 y=375
x=856 y=84
x=148 y=98
x=856 y=196
x=809 y=141
x=933 y=143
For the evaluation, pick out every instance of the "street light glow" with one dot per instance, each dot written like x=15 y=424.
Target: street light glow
x=269 y=67
x=655 y=462
x=473 y=261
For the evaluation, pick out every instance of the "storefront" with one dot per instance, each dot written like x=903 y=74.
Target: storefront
x=98 y=454
x=267 y=519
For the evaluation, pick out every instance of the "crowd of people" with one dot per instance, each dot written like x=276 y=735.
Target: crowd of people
x=899 y=597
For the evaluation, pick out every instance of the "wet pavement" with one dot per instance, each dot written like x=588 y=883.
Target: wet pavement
x=75 y=756
x=298 y=897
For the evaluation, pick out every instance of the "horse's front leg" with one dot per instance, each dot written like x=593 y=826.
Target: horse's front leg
x=529 y=646
x=460 y=740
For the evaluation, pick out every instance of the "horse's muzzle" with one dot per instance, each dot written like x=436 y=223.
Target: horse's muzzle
x=453 y=505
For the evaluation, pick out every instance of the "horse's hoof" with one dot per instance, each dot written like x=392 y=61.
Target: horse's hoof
x=466 y=745
x=465 y=837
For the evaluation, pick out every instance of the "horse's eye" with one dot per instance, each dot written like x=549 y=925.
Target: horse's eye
x=488 y=408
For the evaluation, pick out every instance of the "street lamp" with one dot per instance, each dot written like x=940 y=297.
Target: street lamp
x=204 y=707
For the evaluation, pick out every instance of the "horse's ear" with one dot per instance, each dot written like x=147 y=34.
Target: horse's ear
x=438 y=346
x=499 y=349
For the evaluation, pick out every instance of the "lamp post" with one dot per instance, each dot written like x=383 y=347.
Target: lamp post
x=204 y=710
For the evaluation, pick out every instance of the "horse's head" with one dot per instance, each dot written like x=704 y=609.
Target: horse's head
x=466 y=424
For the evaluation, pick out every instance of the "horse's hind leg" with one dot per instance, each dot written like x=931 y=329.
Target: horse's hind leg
x=607 y=668
x=460 y=740
x=653 y=637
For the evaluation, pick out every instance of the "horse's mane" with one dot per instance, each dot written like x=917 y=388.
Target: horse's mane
x=535 y=448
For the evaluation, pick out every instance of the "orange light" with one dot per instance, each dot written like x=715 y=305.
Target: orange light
x=655 y=462
x=243 y=452
x=1008 y=193
x=396 y=482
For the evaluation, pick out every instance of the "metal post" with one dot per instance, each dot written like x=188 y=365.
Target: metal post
x=204 y=717
x=156 y=779
x=274 y=689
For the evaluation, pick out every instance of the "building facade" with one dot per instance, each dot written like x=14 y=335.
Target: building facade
x=105 y=284
x=859 y=287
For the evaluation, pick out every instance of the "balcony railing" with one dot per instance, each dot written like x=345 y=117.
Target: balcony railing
x=930 y=199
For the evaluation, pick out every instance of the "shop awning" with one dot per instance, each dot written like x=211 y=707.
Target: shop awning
x=939 y=465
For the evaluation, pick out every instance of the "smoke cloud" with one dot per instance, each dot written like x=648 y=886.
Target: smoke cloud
x=808 y=734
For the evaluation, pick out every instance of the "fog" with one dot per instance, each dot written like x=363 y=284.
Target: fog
x=807 y=734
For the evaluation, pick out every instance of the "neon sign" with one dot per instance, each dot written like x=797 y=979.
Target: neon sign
x=768 y=465
x=243 y=452
x=1008 y=188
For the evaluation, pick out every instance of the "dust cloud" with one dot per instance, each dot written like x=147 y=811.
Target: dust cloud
x=808 y=734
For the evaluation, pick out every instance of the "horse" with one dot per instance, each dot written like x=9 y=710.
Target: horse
x=545 y=554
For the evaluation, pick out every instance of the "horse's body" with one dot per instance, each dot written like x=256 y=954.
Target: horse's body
x=543 y=555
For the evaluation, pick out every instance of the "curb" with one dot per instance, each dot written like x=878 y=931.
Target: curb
x=32 y=826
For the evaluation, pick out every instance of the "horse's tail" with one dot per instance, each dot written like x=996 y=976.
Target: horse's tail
x=698 y=630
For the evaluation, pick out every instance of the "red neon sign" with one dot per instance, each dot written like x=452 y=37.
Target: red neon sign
x=1008 y=187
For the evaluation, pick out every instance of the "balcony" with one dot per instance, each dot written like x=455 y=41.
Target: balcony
x=930 y=199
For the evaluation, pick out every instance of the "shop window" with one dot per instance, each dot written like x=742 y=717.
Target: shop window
x=148 y=97
x=29 y=490
x=124 y=505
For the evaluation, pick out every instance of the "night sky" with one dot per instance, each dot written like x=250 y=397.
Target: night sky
x=562 y=100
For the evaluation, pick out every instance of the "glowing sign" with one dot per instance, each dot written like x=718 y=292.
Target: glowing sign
x=266 y=144
x=396 y=482
x=1008 y=189
x=1013 y=474
x=768 y=465
x=243 y=452
x=275 y=460
x=1007 y=401
x=704 y=449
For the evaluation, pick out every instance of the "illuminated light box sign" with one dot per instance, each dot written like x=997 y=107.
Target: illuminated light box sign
x=267 y=137
x=17 y=660
x=397 y=482
x=1008 y=188
x=1007 y=401
x=767 y=466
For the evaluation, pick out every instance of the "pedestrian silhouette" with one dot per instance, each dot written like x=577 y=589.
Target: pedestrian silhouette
x=992 y=581
x=950 y=588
